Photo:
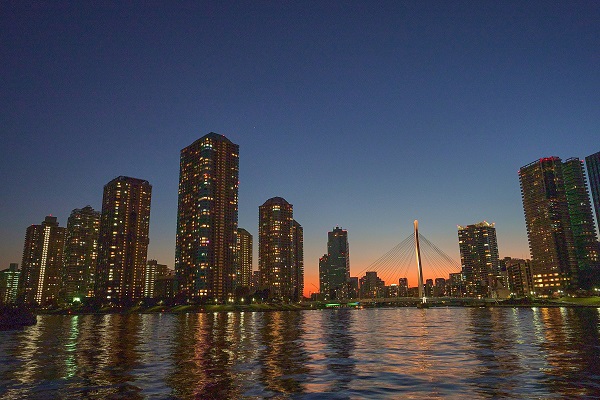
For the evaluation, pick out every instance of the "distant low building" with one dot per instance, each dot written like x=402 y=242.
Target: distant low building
x=9 y=282
x=153 y=271
x=371 y=286
x=164 y=286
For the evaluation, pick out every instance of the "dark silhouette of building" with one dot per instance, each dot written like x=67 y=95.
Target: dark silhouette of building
x=153 y=271
x=207 y=219
x=520 y=281
x=81 y=253
x=371 y=286
x=334 y=267
x=593 y=168
x=123 y=240
x=553 y=261
x=582 y=224
x=298 y=243
x=403 y=287
x=42 y=266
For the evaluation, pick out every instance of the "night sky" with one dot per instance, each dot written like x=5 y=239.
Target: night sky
x=365 y=115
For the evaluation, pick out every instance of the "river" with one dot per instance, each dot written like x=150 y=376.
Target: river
x=395 y=353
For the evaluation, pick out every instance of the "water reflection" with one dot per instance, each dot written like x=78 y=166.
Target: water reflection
x=371 y=353
x=282 y=356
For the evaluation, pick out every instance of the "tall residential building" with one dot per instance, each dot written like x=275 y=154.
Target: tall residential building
x=207 y=218
x=280 y=250
x=9 y=283
x=298 y=244
x=42 y=266
x=593 y=169
x=244 y=258
x=582 y=224
x=81 y=253
x=123 y=240
x=334 y=267
x=553 y=262
x=153 y=271
x=479 y=257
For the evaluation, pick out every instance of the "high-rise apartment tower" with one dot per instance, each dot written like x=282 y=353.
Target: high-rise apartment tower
x=582 y=224
x=553 y=262
x=42 y=266
x=479 y=257
x=244 y=258
x=123 y=240
x=81 y=253
x=334 y=267
x=280 y=250
x=207 y=218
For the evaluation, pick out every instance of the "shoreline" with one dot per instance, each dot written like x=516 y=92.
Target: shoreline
x=185 y=309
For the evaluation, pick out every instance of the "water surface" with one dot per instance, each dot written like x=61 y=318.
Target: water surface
x=341 y=354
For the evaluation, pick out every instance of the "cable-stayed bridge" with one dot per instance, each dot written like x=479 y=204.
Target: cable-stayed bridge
x=415 y=253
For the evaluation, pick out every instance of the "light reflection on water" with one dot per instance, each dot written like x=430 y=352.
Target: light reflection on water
x=369 y=353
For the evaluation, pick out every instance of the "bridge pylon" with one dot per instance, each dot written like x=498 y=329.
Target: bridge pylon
x=419 y=265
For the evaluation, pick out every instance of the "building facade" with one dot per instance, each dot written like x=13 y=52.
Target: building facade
x=42 y=266
x=334 y=267
x=81 y=253
x=280 y=250
x=298 y=244
x=207 y=219
x=244 y=258
x=479 y=257
x=592 y=163
x=153 y=271
x=123 y=240
x=520 y=280
x=582 y=224
x=371 y=286
x=9 y=284
x=553 y=262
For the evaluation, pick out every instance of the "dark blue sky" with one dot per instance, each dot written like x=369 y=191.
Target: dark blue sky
x=365 y=115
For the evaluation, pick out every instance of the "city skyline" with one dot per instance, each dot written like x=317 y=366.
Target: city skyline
x=361 y=117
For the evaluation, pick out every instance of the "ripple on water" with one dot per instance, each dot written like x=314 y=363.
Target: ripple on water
x=345 y=354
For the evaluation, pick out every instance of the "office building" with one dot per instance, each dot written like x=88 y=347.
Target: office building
x=280 y=250
x=81 y=253
x=244 y=258
x=207 y=218
x=42 y=266
x=582 y=224
x=9 y=284
x=553 y=261
x=479 y=257
x=123 y=240
x=334 y=267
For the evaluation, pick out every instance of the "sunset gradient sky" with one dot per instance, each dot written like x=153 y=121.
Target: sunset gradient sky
x=362 y=114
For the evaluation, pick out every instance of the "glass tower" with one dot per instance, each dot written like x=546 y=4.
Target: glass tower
x=582 y=223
